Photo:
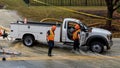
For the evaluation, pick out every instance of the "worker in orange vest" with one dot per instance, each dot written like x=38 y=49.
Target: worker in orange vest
x=76 y=38
x=50 y=39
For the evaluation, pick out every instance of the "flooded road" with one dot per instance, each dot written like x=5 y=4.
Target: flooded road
x=92 y=62
x=36 y=56
x=64 y=50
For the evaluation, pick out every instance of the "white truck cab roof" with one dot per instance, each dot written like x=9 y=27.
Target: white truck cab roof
x=72 y=19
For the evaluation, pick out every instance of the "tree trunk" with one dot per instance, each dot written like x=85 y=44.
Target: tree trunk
x=109 y=21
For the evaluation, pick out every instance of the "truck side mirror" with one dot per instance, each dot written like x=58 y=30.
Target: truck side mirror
x=83 y=29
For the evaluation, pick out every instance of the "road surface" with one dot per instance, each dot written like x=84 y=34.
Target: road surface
x=36 y=57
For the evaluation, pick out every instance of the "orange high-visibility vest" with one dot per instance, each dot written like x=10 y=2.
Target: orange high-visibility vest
x=51 y=36
x=75 y=34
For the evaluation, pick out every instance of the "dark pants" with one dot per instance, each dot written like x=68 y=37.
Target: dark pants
x=51 y=45
x=76 y=44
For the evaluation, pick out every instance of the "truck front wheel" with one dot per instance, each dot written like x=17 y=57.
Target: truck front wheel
x=28 y=40
x=97 y=47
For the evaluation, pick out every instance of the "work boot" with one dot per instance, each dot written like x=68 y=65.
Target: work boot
x=49 y=55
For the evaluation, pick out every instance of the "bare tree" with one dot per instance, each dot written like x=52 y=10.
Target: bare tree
x=112 y=5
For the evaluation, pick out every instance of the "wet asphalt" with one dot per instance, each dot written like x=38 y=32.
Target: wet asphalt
x=63 y=58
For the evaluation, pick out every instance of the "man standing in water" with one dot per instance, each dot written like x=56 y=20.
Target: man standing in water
x=50 y=39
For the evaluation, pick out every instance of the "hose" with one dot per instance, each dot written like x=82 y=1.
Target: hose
x=51 y=19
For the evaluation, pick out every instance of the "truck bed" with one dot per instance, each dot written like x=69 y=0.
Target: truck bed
x=38 y=29
x=37 y=23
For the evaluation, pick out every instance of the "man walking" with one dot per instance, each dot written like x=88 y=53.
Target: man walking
x=50 y=39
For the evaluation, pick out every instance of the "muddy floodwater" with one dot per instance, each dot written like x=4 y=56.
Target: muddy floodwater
x=63 y=57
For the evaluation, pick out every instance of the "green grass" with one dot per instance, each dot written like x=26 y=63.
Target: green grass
x=12 y=3
x=39 y=12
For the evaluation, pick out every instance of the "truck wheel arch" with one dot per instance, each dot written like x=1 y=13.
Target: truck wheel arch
x=97 y=38
x=28 y=34
x=28 y=40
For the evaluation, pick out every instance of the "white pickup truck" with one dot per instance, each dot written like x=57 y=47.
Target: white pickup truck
x=96 y=39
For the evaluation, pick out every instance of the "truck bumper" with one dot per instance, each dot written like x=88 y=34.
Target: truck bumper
x=110 y=43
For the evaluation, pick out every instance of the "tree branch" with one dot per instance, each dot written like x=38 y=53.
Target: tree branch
x=115 y=2
x=116 y=8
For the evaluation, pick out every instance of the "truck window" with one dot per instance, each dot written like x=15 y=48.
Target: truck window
x=84 y=27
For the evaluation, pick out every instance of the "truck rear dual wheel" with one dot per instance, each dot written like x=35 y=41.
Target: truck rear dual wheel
x=97 y=47
x=28 y=40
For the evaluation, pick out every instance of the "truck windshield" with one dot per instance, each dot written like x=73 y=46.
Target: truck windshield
x=84 y=26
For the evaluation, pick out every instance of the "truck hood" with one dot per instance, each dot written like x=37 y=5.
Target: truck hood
x=99 y=30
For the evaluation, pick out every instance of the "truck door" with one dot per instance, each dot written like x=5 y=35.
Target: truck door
x=64 y=32
x=82 y=37
x=83 y=34
x=67 y=31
